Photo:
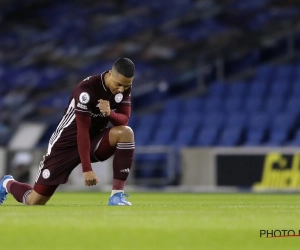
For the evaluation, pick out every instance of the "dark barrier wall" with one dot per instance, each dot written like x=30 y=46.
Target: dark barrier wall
x=270 y=170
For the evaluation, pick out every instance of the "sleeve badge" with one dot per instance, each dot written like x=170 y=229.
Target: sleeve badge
x=84 y=97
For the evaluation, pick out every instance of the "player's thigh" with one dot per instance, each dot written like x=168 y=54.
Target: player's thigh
x=103 y=146
x=102 y=149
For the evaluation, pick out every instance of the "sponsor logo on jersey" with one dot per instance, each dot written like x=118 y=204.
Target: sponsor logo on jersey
x=118 y=97
x=126 y=170
x=46 y=174
x=97 y=115
x=79 y=105
x=84 y=97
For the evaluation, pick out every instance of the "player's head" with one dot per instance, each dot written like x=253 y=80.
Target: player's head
x=121 y=75
x=124 y=66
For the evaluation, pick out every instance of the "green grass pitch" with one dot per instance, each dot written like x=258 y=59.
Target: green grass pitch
x=155 y=221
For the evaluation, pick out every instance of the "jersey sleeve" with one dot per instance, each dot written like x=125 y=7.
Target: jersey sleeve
x=84 y=101
x=83 y=141
x=126 y=98
x=122 y=114
x=120 y=118
x=84 y=98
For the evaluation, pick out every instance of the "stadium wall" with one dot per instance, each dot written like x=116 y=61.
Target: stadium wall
x=258 y=168
x=2 y=161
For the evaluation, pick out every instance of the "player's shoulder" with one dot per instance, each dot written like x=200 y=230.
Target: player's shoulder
x=89 y=84
x=85 y=90
x=91 y=80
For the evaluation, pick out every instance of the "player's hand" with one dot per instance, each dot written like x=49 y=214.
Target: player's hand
x=90 y=178
x=104 y=107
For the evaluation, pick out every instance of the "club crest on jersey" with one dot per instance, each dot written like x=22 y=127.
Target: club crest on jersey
x=118 y=97
x=84 y=97
x=46 y=174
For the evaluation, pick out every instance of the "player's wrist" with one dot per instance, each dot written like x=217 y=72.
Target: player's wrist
x=86 y=169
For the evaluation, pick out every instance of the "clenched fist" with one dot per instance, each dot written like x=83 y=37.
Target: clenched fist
x=104 y=107
x=90 y=178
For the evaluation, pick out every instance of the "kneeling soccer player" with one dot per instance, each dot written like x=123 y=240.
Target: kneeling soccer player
x=82 y=136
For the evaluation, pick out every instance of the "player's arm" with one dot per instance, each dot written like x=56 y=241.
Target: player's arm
x=121 y=117
x=84 y=145
x=83 y=141
x=116 y=118
x=83 y=104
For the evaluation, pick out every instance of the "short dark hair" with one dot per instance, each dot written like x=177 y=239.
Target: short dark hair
x=125 y=67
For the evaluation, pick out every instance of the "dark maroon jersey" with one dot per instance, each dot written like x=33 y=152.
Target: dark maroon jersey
x=84 y=101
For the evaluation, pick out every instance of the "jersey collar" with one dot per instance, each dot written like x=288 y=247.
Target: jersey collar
x=102 y=80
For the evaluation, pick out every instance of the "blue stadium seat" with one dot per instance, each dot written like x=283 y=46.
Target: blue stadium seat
x=277 y=137
x=95 y=68
x=192 y=118
x=142 y=136
x=238 y=119
x=296 y=140
x=253 y=104
x=259 y=20
x=265 y=73
x=174 y=105
x=50 y=77
x=279 y=88
x=148 y=121
x=29 y=78
x=258 y=88
x=230 y=137
x=215 y=119
x=207 y=136
x=257 y=127
x=284 y=121
x=247 y=6
x=133 y=121
x=295 y=88
x=284 y=72
x=55 y=100
x=280 y=129
x=162 y=136
x=293 y=105
x=274 y=105
x=254 y=137
x=193 y=105
x=214 y=104
x=184 y=137
x=234 y=104
x=168 y=119
x=217 y=89
x=259 y=120
x=237 y=89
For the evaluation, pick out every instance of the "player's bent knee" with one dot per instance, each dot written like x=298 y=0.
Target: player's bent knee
x=128 y=130
x=123 y=132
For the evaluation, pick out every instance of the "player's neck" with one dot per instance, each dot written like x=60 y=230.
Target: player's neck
x=106 y=80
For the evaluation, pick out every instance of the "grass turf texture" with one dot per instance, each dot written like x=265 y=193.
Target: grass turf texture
x=155 y=221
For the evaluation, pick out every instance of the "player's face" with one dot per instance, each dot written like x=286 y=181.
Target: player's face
x=118 y=83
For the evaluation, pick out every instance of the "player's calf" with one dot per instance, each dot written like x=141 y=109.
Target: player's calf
x=33 y=198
